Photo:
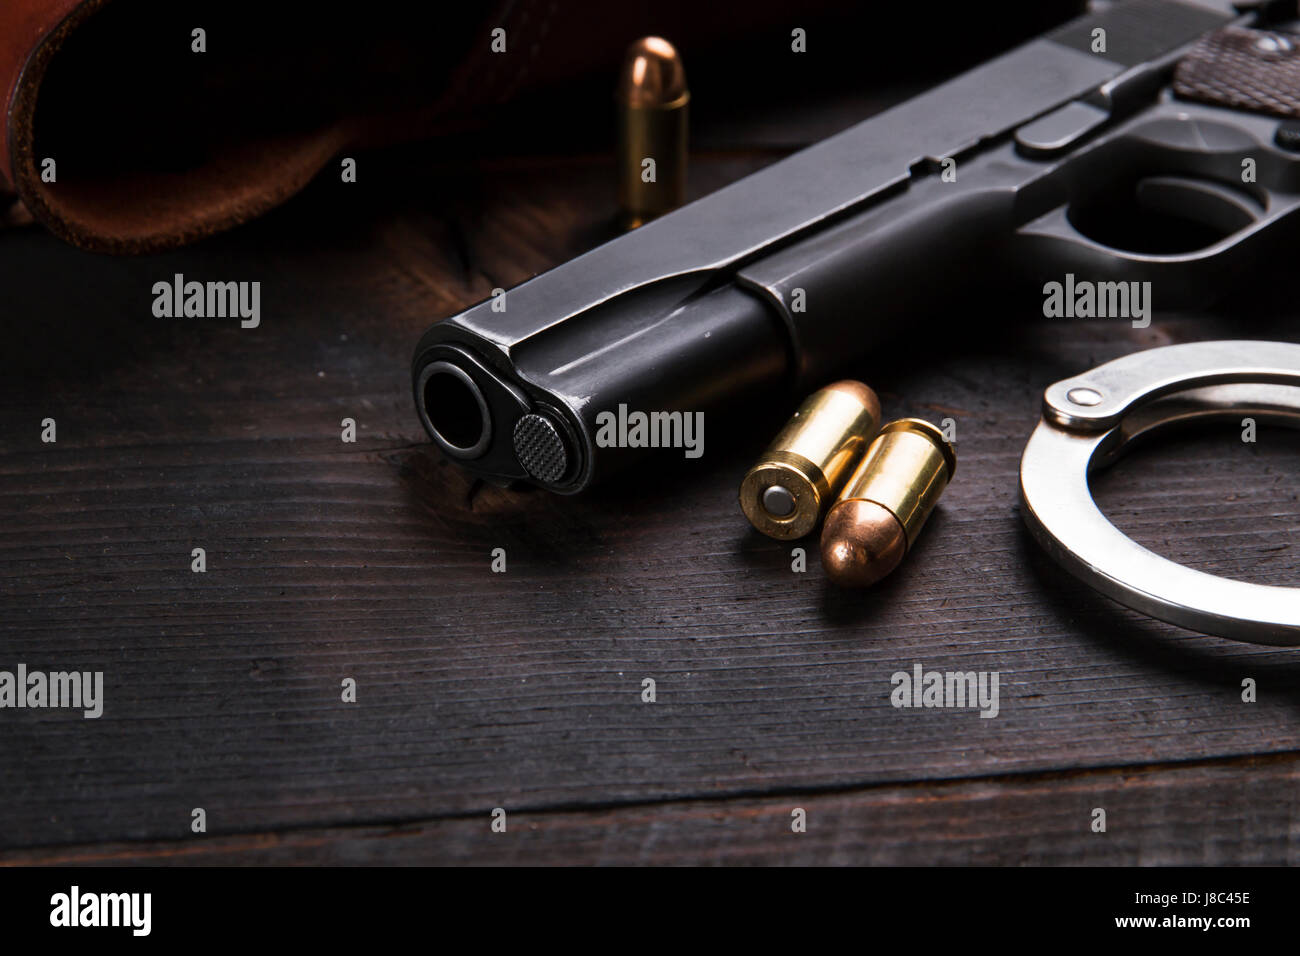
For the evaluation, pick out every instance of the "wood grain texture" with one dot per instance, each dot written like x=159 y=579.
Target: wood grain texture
x=1231 y=812
x=522 y=690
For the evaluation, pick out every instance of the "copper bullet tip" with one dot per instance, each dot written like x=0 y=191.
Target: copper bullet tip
x=861 y=543
x=860 y=393
x=653 y=74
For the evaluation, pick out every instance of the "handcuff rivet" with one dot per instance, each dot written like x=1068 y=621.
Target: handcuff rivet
x=1084 y=396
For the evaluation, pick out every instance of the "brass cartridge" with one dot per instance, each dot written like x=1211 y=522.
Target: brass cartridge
x=786 y=492
x=886 y=502
x=652 y=131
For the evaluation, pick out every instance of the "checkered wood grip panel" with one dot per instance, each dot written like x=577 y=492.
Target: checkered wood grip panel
x=1241 y=68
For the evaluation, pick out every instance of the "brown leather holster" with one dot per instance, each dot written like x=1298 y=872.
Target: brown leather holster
x=122 y=136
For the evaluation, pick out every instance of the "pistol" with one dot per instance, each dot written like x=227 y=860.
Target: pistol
x=1150 y=141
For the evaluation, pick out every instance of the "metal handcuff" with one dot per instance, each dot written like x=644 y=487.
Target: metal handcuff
x=1088 y=422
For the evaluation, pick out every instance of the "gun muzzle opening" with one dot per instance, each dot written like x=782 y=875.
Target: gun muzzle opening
x=453 y=410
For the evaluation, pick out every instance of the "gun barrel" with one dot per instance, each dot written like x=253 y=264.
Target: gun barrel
x=700 y=308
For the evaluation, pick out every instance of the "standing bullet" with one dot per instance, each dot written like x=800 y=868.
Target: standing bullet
x=652 y=125
x=886 y=501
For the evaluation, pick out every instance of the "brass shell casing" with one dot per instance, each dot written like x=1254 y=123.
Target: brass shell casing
x=886 y=502
x=810 y=459
x=653 y=124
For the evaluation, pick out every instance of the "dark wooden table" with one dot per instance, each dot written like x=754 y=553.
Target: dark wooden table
x=523 y=690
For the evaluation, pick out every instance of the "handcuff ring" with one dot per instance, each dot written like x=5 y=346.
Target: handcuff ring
x=1091 y=419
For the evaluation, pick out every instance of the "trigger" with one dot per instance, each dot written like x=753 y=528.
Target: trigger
x=1220 y=207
